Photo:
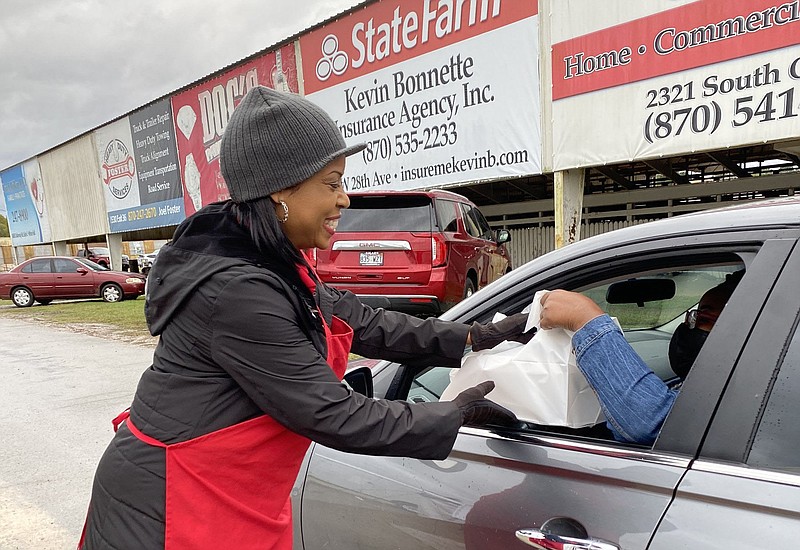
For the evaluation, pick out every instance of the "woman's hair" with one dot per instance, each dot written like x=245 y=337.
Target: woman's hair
x=258 y=217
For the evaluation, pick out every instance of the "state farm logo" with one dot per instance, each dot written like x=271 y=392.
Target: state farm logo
x=118 y=168
x=333 y=61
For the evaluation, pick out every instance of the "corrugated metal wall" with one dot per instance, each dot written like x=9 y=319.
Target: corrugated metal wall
x=531 y=242
x=74 y=191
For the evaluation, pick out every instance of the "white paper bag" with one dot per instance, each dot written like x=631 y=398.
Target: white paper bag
x=538 y=381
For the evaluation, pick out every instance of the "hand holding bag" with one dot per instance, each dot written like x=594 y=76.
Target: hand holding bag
x=539 y=381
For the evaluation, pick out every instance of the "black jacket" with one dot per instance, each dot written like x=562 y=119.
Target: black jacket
x=240 y=336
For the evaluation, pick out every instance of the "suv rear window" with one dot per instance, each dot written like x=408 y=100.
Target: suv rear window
x=395 y=213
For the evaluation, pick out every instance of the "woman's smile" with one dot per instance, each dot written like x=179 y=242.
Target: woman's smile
x=331 y=224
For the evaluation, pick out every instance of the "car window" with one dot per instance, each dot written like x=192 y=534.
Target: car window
x=38 y=266
x=690 y=284
x=65 y=266
x=469 y=221
x=483 y=225
x=387 y=213
x=447 y=214
x=647 y=325
x=91 y=264
x=778 y=437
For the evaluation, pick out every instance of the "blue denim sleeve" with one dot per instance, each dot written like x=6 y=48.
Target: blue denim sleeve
x=634 y=399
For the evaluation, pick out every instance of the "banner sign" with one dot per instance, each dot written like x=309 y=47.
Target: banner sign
x=442 y=93
x=139 y=170
x=23 y=190
x=202 y=112
x=692 y=75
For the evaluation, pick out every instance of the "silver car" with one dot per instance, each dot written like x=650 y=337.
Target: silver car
x=724 y=472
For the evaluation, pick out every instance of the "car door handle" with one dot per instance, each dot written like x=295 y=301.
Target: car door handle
x=549 y=541
x=562 y=533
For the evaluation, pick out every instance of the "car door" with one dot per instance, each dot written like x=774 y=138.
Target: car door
x=743 y=491
x=497 y=258
x=498 y=482
x=38 y=276
x=475 y=249
x=69 y=282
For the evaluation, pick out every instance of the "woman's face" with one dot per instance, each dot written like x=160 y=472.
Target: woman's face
x=314 y=207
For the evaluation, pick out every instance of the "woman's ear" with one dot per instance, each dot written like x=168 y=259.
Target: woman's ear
x=276 y=197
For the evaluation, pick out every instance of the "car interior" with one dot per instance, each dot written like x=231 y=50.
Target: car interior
x=648 y=305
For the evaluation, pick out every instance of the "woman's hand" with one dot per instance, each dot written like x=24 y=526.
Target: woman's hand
x=488 y=335
x=568 y=310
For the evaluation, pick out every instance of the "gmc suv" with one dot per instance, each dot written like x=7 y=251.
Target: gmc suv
x=415 y=251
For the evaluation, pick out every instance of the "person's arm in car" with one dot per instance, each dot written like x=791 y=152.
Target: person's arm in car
x=634 y=399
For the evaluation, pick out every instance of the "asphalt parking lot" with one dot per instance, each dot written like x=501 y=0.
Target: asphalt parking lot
x=58 y=394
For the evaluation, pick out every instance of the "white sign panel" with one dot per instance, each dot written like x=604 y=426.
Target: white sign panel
x=443 y=93
x=689 y=76
x=117 y=165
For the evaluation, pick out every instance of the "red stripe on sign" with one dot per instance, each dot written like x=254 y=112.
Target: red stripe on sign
x=686 y=37
x=386 y=33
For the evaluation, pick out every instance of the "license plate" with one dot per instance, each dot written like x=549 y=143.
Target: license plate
x=371 y=258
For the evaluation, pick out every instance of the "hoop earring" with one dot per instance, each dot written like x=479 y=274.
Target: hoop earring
x=285 y=212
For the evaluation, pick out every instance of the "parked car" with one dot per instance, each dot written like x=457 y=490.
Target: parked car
x=724 y=472
x=415 y=251
x=98 y=255
x=146 y=261
x=46 y=278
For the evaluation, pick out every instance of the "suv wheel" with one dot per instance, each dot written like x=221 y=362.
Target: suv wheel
x=469 y=288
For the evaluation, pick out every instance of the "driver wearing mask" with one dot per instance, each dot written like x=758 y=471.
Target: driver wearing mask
x=634 y=399
x=690 y=335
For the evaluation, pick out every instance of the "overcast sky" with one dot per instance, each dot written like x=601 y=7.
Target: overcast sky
x=67 y=66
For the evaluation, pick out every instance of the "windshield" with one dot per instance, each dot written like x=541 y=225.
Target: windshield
x=668 y=313
x=387 y=213
x=91 y=265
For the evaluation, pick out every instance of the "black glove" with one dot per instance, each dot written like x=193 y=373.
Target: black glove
x=489 y=335
x=477 y=411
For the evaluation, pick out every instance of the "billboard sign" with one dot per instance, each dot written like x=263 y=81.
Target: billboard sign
x=24 y=193
x=202 y=112
x=139 y=170
x=434 y=90
x=672 y=77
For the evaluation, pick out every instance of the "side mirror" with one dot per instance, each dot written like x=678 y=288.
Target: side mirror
x=502 y=236
x=360 y=380
x=82 y=270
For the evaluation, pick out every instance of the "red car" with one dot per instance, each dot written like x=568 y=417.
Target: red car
x=46 y=278
x=414 y=251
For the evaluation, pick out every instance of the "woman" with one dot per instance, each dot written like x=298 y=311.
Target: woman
x=252 y=349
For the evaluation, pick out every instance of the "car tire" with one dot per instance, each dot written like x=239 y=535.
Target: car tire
x=44 y=301
x=111 y=293
x=22 y=296
x=469 y=288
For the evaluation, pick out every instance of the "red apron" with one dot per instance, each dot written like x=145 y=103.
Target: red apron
x=231 y=488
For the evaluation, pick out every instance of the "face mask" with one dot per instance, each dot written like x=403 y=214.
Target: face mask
x=684 y=347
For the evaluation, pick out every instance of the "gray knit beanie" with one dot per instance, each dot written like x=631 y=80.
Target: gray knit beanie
x=275 y=140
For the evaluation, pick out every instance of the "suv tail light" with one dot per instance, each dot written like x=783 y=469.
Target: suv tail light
x=438 y=251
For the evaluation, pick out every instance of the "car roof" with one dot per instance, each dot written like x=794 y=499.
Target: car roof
x=433 y=193
x=50 y=257
x=782 y=213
